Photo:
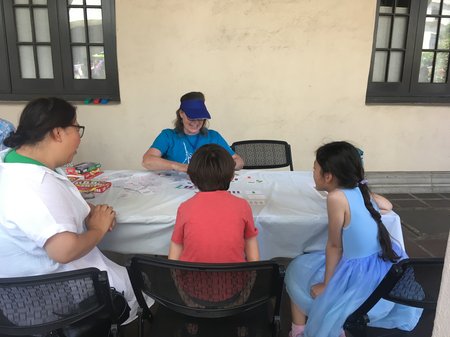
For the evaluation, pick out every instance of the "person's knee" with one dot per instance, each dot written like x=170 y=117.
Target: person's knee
x=290 y=278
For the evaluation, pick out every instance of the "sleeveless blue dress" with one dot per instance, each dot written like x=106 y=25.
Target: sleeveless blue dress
x=358 y=273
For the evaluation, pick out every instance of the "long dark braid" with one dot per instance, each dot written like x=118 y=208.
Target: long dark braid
x=343 y=161
x=387 y=253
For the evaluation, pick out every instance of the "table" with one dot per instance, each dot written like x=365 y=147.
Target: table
x=289 y=212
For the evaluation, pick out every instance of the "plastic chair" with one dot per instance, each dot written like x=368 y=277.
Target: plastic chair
x=413 y=282
x=50 y=304
x=263 y=154
x=212 y=299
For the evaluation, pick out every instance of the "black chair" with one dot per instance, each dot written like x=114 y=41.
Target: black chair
x=413 y=282
x=263 y=154
x=211 y=299
x=57 y=304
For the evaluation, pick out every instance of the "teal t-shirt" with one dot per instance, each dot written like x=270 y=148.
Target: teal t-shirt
x=179 y=147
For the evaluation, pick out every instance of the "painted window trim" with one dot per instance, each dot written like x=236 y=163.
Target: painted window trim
x=63 y=85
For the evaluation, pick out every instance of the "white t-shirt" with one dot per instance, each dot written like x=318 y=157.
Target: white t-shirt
x=35 y=204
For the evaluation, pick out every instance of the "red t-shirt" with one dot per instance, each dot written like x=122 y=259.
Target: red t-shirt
x=213 y=227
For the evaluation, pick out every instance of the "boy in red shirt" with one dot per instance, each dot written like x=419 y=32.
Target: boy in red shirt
x=214 y=226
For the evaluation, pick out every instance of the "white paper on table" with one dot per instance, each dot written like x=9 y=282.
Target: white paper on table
x=253 y=192
x=256 y=196
x=145 y=183
x=257 y=202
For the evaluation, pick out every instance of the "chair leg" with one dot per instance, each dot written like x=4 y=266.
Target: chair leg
x=276 y=327
x=141 y=327
x=114 y=331
x=140 y=323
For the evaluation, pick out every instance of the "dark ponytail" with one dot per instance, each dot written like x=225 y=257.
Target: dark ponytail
x=38 y=118
x=343 y=161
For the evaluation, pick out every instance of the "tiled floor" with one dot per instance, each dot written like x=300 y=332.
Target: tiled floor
x=426 y=223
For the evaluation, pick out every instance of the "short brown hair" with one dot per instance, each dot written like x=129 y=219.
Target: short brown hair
x=211 y=168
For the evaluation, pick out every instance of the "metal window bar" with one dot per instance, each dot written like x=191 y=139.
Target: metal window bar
x=30 y=6
x=433 y=68
x=390 y=49
x=436 y=48
x=87 y=44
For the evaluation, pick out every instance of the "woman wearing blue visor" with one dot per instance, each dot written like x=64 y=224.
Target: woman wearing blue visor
x=173 y=148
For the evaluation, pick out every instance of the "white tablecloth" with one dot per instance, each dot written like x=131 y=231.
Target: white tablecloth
x=289 y=213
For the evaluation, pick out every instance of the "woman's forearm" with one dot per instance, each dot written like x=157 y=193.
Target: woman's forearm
x=66 y=247
x=154 y=163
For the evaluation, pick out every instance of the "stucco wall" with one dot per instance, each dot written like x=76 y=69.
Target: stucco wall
x=441 y=322
x=293 y=70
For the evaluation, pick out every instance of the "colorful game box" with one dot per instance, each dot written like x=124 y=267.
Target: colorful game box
x=84 y=176
x=86 y=167
x=96 y=186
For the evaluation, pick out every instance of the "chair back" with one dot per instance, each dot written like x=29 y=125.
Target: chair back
x=205 y=290
x=419 y=285
x=263 y=154
x=413 y=282
x=38 y=305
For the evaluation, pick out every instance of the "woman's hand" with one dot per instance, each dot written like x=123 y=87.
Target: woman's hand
x=101 y=218
x=238 y=161
x=317 y=289
x=179 y=167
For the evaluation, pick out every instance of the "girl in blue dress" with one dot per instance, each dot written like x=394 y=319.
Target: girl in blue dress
x=328 y=286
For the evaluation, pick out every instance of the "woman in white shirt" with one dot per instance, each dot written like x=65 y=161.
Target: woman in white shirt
x=45 y=224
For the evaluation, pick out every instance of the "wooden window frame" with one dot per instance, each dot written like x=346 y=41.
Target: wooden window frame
x=408 y=90
x=63 y=85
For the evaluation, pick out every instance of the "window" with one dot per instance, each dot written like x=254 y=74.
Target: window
x=63 y=48
x=410 y=59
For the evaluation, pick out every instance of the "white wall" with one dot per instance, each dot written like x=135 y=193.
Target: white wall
x=441 y=322
x=280 y=69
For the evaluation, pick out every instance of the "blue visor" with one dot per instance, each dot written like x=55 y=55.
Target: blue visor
x=195 y=109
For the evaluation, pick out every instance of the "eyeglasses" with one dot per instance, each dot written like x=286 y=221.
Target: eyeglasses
x=80 y=129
